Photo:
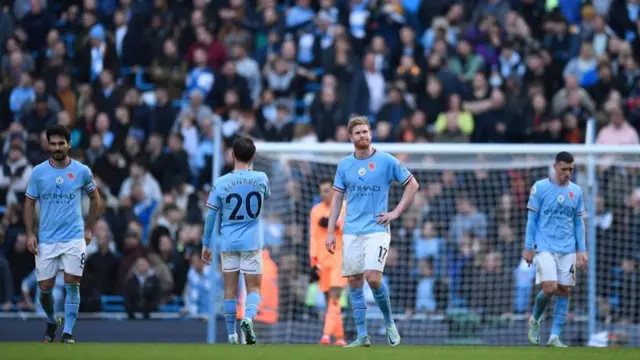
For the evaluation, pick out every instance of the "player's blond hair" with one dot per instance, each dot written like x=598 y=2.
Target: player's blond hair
x=357 y=120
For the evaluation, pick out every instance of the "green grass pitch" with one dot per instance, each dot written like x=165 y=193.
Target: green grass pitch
x=95 y=351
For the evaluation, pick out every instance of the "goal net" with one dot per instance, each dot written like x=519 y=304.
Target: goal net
x=454 y=268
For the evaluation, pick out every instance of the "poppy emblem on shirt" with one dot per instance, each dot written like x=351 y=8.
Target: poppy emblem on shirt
x=372 y=166
x=571 y=195
x=71 y=176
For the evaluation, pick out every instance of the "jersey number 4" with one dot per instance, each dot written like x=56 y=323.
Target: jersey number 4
x=247 y=204
x=572 y=271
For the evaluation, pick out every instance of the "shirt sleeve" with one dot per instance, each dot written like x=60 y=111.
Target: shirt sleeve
x=213 y=202
x=314 y=230
x=32 y=187
x=267 y=190
x=338 y=181
x=400 y=172
x=534 y=199
x=580 y=206
x=87 y=181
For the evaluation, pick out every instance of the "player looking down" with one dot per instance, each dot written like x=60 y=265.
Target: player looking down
x=554 y=227
x=239 y=196
x=57 y=185
x=365 y=177
x=328 y=265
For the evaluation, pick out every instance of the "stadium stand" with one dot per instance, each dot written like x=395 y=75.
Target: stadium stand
x=140 y=84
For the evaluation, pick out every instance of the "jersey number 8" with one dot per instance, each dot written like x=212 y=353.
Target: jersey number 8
x=247 y=202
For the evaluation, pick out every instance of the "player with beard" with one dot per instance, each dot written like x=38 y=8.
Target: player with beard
x=365 y=177
x=57 y=185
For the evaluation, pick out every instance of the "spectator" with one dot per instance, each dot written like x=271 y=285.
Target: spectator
x=468 y=218
x=432 y=292
x=142 y=290
x=618 y=131
x=6 y=285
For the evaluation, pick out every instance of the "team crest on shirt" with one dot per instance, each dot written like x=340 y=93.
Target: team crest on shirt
x=372 y=166
x=362 y=171
x=59 y=180
x=71 y=176
x=560 y=198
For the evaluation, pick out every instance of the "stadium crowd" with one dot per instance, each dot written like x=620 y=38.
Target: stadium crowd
x=141 y=83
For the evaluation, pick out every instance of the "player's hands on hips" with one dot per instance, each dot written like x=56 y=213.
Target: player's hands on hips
x=206 y=255
x=331 y=243
x=582 y=260
x=32 y=245
x=386 y=218
x=527 y=255
x=87 y=235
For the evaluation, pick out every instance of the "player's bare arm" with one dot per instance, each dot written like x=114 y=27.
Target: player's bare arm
x=209 y=226
x=29 y=211
x=410 y=190
x=92 y=217
x=530 y=234
x=336 y=208
x=581 y=255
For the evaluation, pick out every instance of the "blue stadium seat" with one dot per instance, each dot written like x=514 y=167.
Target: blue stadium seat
x=69 y=40
x=300 y=104
x=302 y=119
x=173 y=306
x=312 y=87
x=112 y=303
x=141 y=84
x=318 y=71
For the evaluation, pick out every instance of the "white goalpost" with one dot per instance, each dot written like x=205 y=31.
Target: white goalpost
x=454 y=267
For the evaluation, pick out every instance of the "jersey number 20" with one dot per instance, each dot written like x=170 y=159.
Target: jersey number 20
x=247 y=203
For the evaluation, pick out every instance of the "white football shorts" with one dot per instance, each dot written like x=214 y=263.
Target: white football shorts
x=556 y=267
x=364 y=252
x=248 y=262
x=66 y=256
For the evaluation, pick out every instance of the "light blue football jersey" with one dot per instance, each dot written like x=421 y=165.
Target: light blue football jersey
x=557 y=206
x=366 y=183
x=240 y=196
x=59 y=193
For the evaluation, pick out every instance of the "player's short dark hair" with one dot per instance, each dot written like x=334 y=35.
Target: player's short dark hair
x=324 y=181
x=564 y=157
x=243 y=149
x=58 y=130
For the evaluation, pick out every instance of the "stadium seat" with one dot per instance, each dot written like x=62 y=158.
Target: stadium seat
x=69 y=40
x=173 y=306
x=141 y=84
x=312 y=87
x=112 y=303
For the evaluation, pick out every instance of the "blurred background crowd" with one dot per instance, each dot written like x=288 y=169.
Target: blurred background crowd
x=141 y=83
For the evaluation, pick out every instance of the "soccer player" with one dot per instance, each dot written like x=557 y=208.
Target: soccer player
x=554 y=227
x=57 y=184
x=365 y=176
x=239 y=196
x=328 y=266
